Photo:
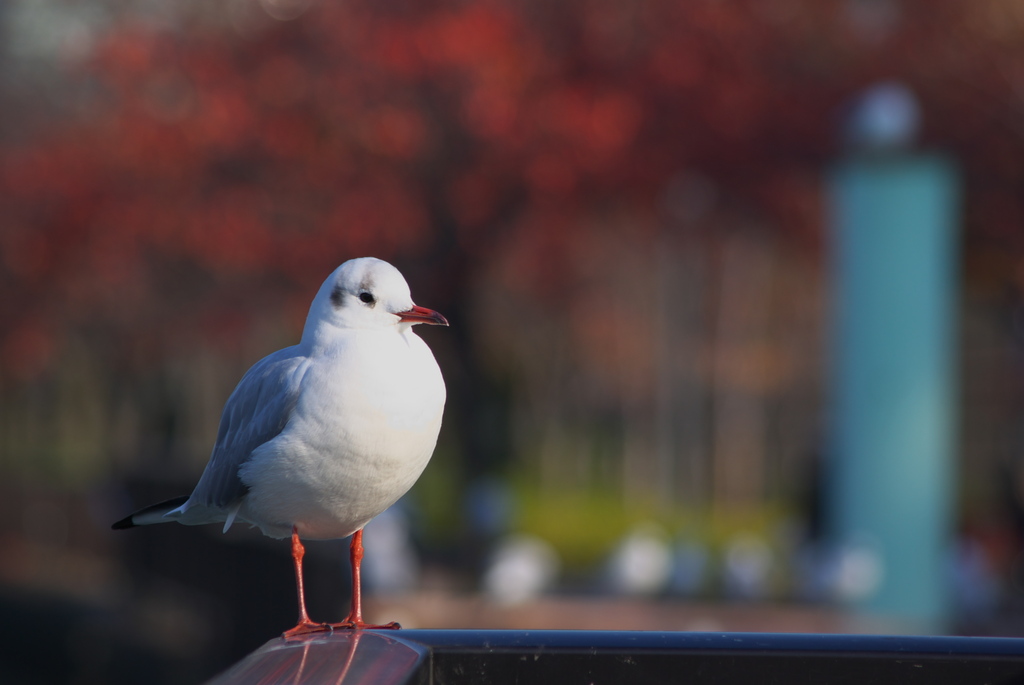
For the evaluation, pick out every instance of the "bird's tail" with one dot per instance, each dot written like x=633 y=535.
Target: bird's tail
x=154 y=513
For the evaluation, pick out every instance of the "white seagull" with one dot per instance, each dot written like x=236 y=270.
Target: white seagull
x=321 y=437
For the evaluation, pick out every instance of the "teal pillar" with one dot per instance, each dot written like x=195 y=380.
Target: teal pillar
x=893 y=397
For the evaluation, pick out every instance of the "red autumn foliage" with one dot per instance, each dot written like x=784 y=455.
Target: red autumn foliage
x=211 y=162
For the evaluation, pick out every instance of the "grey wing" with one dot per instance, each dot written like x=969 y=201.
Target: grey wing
x=257 y=411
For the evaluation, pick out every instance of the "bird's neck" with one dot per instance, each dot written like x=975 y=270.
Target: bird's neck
x=327 y=338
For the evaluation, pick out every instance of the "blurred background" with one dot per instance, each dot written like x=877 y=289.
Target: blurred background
x=687 y=249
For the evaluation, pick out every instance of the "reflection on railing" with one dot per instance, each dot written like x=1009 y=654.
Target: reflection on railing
x=340 y=658
x=507 y=657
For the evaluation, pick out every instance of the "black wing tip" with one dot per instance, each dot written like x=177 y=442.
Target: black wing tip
x=162 y=507
x=124 y=523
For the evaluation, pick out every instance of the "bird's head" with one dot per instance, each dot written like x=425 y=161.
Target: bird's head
x=366 y=293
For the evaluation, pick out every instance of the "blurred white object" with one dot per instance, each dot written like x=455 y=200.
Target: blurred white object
x=859 y=571
x=521 y=568
x=886 y=116
x=642 y=562
x=747 y=567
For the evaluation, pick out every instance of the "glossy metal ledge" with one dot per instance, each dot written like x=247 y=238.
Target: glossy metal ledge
x=500 y=657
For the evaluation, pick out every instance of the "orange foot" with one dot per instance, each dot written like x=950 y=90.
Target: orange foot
x=305 y=628
x=349 y=624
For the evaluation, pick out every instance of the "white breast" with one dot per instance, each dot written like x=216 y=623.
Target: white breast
x=363 y=429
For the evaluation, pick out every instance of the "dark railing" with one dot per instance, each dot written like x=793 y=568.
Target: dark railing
x=500 y=657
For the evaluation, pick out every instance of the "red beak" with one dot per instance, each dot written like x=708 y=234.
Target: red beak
x=422 y=315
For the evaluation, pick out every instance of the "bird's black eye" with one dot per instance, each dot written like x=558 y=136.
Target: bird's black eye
x=367 y=298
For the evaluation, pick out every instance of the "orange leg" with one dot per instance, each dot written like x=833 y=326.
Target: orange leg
x=355 y=617
x=304 y=625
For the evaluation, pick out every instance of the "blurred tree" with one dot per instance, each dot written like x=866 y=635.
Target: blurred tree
x=216 y=166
